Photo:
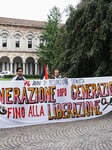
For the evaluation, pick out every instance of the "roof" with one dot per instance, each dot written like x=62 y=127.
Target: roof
x=21 y=22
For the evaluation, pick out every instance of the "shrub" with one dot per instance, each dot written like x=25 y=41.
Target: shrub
x=25 y=75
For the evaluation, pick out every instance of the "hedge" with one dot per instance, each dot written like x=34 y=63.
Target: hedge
x=25 y=75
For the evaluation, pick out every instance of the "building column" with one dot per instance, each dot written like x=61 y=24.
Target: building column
x=11 y=67
x=23 y=67
x=26 y=68
x=3 y=66
x=19 y=64
x=30 y=68
x=36 y=68
x=7 y=66
x=39 y=69
x=15 y=67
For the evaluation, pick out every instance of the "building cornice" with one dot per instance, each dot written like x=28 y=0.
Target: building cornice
x=21 y=22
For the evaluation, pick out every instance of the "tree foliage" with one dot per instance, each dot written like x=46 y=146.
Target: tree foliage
x=46 y=51
x=84 y=44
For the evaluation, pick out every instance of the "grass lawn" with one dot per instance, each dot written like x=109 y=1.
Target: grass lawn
x=5 y=79
x=9 y=79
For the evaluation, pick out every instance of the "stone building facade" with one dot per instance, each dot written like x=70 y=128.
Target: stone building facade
x=18 y=41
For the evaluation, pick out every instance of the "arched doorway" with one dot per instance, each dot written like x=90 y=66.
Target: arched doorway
x=4 y=63
x=30 y=65
x=17 y=62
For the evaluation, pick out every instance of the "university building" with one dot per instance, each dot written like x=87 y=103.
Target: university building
x=18 y=45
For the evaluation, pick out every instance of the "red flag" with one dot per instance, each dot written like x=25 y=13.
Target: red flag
x=46 y=74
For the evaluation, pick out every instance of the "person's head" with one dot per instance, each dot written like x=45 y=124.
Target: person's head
x=56 y=73
x=19 y=71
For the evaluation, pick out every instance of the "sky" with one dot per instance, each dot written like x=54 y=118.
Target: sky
x=33 y=9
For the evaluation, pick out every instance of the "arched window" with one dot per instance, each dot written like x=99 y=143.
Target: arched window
x=17 y=42
x=29 y=42
x=17 y=35
x=5 y=35
x=30 y=37
x=4 y=41
x=42 y=42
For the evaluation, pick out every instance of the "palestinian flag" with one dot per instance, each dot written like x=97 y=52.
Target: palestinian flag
x=44 y=72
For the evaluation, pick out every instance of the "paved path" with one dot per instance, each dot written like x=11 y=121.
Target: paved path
x=94 y=134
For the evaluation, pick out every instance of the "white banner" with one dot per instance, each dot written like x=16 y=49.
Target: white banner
x=46 y=101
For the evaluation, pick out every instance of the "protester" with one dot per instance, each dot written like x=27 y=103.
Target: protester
x=57 y=74
x=19 y=75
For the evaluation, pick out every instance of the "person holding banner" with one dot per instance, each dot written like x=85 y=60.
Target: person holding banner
x=57 y=74
x=19 y=75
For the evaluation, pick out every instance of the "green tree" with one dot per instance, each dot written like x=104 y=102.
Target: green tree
x=46 y=51
x=87 y=50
